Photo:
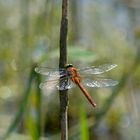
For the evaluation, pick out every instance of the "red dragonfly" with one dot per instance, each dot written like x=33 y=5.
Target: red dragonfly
x=67 y=77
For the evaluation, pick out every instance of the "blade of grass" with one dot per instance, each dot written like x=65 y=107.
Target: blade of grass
x=33 y=115
x=39 y=101
x=84 y=134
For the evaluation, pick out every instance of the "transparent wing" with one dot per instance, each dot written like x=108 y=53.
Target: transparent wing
x=97 y=69
x=65 y=84
x=49 y=84
x=57 y=73
x=99 y=82
x=62 y=84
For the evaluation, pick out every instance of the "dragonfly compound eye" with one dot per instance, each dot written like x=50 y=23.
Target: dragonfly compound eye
x=68 y=65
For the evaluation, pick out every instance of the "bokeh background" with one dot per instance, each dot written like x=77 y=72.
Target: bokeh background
x=99 y=32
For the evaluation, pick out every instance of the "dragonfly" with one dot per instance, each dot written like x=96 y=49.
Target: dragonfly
x=69 y=77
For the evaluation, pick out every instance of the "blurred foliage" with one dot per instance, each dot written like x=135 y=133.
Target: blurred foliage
x=99 y=32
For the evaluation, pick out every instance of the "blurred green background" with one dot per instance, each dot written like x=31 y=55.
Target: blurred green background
x=100 y=31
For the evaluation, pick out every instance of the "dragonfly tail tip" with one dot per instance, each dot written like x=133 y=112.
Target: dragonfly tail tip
x=94 y=105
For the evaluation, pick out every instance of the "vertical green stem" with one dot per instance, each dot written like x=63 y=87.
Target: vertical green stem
x=39 y=95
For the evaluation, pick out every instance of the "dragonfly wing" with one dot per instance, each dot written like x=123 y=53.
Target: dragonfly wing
x=97 y=70
x=49 y=84
x=65 y=84
x=51 y=72
x=99 y=82
x=62 y=84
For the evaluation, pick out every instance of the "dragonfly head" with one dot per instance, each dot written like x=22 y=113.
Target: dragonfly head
x=68 y=65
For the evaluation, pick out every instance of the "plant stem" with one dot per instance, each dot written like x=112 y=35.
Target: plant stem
x=62 y=61
x=63 y=35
